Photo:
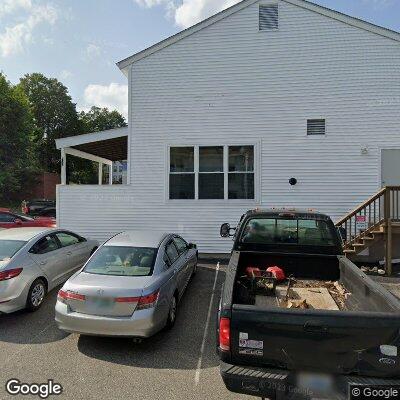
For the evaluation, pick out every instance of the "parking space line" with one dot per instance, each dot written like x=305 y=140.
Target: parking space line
x=203 y=343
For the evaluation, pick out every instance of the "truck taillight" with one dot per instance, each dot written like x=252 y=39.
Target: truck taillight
x=224 y=333
x=9 y=274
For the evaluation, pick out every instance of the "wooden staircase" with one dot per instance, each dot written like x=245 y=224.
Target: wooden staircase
x=375 y=219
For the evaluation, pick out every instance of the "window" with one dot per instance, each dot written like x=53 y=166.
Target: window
x=316 y=127
x=180 y=244
x=212 y=172
x=67 y=239
x=45 y=245
x=122 y=261
x=4 y=217
x=181 y=178
x=172 y=252
x=288 y=231
x=268 y=17
x=9 y=247
x=241 y=172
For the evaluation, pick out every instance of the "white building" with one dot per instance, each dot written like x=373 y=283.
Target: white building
x=224 y=113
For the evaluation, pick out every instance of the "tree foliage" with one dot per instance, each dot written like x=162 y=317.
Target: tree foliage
x=100 y=119
x=54 y=114
x=32 y=115
x=17 y=156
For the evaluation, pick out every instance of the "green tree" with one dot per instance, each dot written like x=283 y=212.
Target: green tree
x=17 y=158
x=55 y=116
x=100 y=119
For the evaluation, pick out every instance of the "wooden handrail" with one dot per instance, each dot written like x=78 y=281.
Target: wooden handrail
x=355 y=233
x=363 y=205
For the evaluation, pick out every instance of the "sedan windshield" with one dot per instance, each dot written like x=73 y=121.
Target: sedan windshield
x=122 y=261
x=9 y=247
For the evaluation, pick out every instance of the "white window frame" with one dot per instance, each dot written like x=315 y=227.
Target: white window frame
x=256 y=171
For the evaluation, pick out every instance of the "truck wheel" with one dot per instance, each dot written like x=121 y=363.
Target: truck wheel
x=36 y=295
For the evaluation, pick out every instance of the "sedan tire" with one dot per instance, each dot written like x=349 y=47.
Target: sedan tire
x=172 y=312
x=36 y=295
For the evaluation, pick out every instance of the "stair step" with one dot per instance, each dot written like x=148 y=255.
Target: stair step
x=348 y=251
x=358 y=245
x=368 y=238
x=377 y=232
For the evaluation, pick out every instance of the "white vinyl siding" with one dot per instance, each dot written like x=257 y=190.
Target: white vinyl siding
x=231 y=84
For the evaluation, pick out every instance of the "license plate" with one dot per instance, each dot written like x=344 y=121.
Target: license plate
x=100 y=303
x=318 y=384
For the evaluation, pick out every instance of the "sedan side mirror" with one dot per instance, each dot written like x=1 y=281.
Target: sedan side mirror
x=225 y=230
x=191 y=246
x=18 y=221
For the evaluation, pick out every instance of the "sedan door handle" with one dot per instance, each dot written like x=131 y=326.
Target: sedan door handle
x=69 y=253
x=43 y=262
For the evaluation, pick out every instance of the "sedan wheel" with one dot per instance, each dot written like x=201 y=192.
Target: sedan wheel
x=36 y=295
x=172 y=313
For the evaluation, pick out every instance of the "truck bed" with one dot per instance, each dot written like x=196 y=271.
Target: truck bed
x=346 y=339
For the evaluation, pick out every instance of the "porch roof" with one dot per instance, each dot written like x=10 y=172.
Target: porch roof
x=111 y=144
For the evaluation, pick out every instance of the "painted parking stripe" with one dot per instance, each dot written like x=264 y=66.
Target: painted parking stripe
x=203 y=343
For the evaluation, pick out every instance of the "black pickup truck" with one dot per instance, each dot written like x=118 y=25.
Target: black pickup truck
x=341 y=329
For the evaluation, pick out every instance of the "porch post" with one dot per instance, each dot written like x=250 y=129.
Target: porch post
x=110 y=174
x=63 y=167
x=100 y=173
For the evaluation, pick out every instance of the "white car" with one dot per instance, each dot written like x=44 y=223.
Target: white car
x=33 y=261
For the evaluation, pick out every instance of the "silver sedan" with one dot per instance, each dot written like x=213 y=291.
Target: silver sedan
x=130 y=287
x=35 y=260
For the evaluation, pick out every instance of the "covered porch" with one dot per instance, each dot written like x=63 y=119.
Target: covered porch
x=104 y=148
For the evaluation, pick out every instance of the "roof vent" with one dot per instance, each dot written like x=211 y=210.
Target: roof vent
x=268 y=17
x=315 y=127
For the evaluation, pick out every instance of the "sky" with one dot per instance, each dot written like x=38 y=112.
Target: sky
x=79 y=41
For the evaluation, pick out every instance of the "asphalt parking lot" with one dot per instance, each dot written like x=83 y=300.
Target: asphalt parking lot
x=179 y=364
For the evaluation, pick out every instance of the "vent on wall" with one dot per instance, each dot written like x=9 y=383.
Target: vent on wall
x=268 y=17
x=315 y=127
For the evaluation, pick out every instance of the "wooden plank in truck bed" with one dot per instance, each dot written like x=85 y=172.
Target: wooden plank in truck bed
x=317 y=298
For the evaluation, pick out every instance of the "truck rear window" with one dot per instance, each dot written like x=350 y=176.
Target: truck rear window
x=288 y=231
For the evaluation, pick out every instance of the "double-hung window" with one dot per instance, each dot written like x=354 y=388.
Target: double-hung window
x=211 y=172
x=181 y=173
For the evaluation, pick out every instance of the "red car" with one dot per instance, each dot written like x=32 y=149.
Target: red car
x=9 y=219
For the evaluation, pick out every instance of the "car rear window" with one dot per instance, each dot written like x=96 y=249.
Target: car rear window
x=122 y=261
x=9 y=247
x=288 y=231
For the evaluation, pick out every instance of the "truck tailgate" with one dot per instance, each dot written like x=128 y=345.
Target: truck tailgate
x=335 y=342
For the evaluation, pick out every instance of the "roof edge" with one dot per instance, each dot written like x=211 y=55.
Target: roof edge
x=182 y=34
x=92 y=137
x=347 y=19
